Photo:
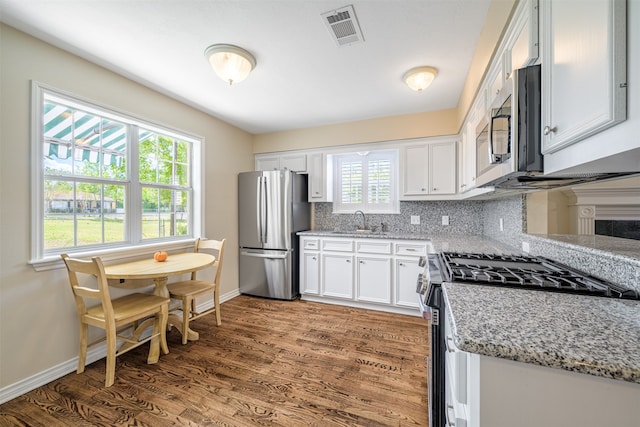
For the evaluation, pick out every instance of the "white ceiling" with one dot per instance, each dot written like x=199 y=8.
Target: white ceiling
x=302 y=77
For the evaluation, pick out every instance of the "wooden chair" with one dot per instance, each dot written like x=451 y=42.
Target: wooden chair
x=114 y=316
x=187 y=291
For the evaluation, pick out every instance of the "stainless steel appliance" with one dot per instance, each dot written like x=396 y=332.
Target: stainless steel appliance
x=272 y=208
x=508 y=140
x=525 y=272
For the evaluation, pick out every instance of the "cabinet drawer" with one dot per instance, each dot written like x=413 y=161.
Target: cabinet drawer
x=415 y=249
x=337 y=245
x=373 y=247
x=311 y=244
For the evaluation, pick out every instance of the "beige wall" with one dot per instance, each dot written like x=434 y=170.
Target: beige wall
x=437 y=123
x=548 y=212
x=38 y=327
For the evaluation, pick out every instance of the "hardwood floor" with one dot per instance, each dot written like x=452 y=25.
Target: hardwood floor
x=270 y=363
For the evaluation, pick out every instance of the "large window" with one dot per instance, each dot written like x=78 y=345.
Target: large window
x=105 y=179
x=366 y=181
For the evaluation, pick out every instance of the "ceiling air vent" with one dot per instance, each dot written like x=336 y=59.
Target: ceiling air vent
x=343 y=26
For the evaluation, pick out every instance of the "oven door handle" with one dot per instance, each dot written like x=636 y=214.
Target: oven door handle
x=449 y=340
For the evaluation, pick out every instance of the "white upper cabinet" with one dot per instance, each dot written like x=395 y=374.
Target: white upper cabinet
x=320 y=177
x=583 y=69
x=428 y=169
x=294 y=162
x=524 y=46
x=267 y=163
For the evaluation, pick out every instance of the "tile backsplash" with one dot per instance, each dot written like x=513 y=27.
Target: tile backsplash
x=465 y=217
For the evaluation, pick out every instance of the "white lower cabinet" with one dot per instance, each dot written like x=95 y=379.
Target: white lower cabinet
x=374 y=279
x=405 y=281
x=370 y=272
x=485 y=391
x=337 y=275
x=310 y=273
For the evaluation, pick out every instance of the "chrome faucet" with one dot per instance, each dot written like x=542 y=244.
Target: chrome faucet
x=364 y=220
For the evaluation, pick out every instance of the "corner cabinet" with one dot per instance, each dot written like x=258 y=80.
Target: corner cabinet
x=583 y=70
x=428 y=169
x=372 y=273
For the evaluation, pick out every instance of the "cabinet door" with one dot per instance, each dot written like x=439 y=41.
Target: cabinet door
x=442 y=168
x=320 y=177
x=267 y=163
x=294 y=162
x=374 y=279
x=583 y=70
x=406 y=275
x=310 y=273
x=524 y=50
x=337 y=275
x=415 y=173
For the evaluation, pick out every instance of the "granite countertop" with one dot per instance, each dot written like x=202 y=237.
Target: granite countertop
x=441 y=242
x=586 y=334
x=598 y=245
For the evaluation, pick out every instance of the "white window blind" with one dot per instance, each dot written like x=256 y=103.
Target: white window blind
x=367 y=182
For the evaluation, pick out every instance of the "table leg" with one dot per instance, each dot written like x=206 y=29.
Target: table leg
x=174 y=319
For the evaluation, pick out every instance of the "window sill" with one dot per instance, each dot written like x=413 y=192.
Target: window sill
x=114 y=255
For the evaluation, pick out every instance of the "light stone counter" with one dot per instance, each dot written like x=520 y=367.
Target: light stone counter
x=441 y=242
x=590 y=335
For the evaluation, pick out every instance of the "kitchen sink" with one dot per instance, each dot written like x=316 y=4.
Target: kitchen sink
x=358 y=232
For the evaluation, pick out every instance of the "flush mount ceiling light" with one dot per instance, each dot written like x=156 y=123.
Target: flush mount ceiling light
x=420 y=78
x=231 y=63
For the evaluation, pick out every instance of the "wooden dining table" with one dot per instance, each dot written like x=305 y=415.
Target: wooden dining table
x=136 y=274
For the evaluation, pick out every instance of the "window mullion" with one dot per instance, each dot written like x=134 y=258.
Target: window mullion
x=134 y=189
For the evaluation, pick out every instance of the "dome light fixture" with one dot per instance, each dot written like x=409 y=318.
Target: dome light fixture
x=420 y=78
x=231 y=63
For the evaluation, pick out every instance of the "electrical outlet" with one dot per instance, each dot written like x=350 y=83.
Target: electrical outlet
x=501 y=224
x=415 y=219
x=445 y=220
x=525 y=247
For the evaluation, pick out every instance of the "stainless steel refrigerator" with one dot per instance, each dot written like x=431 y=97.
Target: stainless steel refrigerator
x=272 y=208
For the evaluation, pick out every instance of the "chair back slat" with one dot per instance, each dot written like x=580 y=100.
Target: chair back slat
x=94 y=268
x=215 y=246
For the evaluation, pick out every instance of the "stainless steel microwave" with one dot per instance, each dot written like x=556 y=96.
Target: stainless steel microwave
x=508 y=139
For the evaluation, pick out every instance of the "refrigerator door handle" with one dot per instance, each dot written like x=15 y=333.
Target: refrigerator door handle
x=265 y=211
x=259 y=208
x=261 y=255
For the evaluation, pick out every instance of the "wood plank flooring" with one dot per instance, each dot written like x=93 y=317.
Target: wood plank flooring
x=278 y=363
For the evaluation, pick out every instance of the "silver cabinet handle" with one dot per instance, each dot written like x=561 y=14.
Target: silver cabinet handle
x=423 y=189
x=547 y=130
x=314 y=258
x=361 y=262
x=348 y=260
x=401 y=264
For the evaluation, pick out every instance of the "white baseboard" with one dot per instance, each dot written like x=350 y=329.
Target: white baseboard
x=96 y=353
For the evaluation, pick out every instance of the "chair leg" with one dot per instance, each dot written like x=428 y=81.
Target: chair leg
x=216 y=304
x=186 y=313
x=111 y=357
x=82 y=350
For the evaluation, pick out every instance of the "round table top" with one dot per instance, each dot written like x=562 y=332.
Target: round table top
x=150 y=269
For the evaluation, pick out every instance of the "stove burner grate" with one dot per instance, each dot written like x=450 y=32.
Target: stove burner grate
x=529 y=273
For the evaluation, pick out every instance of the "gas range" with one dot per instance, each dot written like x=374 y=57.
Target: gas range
x=526 y=272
